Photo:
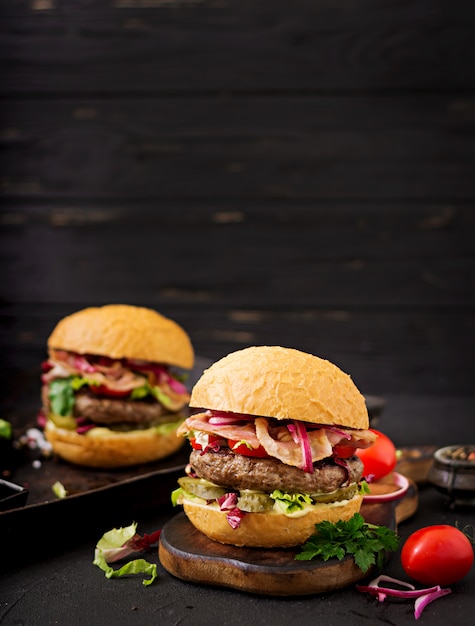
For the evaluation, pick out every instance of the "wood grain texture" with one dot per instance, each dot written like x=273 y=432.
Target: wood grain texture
x=386 y=293
x=272 y=258
x=138 y=48
x=286 y=147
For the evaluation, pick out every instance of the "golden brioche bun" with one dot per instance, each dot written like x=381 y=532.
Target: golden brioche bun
x=104 y=448
x=124 y=331
x=266 y=530
x=283 y=383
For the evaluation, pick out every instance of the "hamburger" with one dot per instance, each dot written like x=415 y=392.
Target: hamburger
x=273 y=448
x=112 y=387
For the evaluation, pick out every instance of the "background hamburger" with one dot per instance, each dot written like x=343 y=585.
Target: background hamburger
x=109 y=395
x=273 y=451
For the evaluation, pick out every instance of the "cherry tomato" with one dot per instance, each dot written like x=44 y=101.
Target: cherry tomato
x=241 y=448
x=437 y=555
x=103 y=390
x=380 y=458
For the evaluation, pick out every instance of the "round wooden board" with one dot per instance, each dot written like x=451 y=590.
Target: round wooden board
x=189 y=555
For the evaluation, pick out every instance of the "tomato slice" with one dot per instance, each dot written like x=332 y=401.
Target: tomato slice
x=103 y=390
x=212 y=440
x=344 y=452
x=241 y=448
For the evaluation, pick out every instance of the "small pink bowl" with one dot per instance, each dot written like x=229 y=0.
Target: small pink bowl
x=399 y=480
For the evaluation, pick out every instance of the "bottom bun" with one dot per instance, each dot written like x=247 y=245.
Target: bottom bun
x=104 y=448
x=266 y=530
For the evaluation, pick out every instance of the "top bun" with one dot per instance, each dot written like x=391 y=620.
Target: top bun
x=124 y=331
x=283 y=383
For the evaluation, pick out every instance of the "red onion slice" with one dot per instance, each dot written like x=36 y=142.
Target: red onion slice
x=422 y=596
x=307 y=464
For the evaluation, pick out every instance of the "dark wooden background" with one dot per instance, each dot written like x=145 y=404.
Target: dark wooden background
x=300 y=173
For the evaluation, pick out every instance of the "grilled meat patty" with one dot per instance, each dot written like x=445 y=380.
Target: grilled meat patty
x=237 y=471
x=116 y=412
x=102 y=410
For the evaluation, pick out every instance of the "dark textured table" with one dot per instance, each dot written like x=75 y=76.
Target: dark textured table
x=62 y=586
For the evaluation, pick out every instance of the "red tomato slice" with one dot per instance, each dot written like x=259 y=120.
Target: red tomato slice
x=437 y=555
x=380 y=458
x=103 y=390
x=344 y=452
x=241 y=448
x=212 y=439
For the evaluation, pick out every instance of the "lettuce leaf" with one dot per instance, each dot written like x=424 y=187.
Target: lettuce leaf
x=291 y=502
x=61 y=396
x=175 y=496
x=168 y=427
x=119 y=543
x=6 y=430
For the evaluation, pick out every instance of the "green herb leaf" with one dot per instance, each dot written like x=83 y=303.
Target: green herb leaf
x=366 y=543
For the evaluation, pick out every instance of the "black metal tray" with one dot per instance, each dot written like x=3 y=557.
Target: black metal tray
x=96 y=501
x=96 y=498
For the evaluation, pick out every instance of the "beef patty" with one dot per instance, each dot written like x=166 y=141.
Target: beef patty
x=120 y=414
x=237 y=471
x=115 y=412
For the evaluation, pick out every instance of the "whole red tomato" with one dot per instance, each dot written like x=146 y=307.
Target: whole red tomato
x=380 y=458
x=437 y=555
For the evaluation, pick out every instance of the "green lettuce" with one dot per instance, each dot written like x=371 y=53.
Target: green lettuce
x=291 y=502
x=119 y=543
x=6 y=430
x=61 y=396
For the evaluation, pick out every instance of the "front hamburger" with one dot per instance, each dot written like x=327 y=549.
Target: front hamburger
x=110 y=397
x=273 y=448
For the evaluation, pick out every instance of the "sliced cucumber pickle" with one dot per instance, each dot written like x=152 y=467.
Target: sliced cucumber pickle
x=63 y=421
x=201 y=488
x=344 y=493
x=254 y=501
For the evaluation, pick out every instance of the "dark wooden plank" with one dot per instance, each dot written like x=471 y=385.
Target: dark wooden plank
x=128 y=46
x=384 y=291
x=247 y=255
x=396 y=351
x=381 y=147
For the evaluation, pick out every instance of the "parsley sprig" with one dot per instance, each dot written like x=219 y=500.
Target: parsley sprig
x=367 y=543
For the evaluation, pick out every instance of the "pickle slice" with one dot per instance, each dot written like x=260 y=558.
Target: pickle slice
x=63 y=421
x=254 y=501
x=201 y=488
x=344 y=493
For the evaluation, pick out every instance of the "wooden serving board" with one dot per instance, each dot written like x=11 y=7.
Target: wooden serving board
x=189 y=555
